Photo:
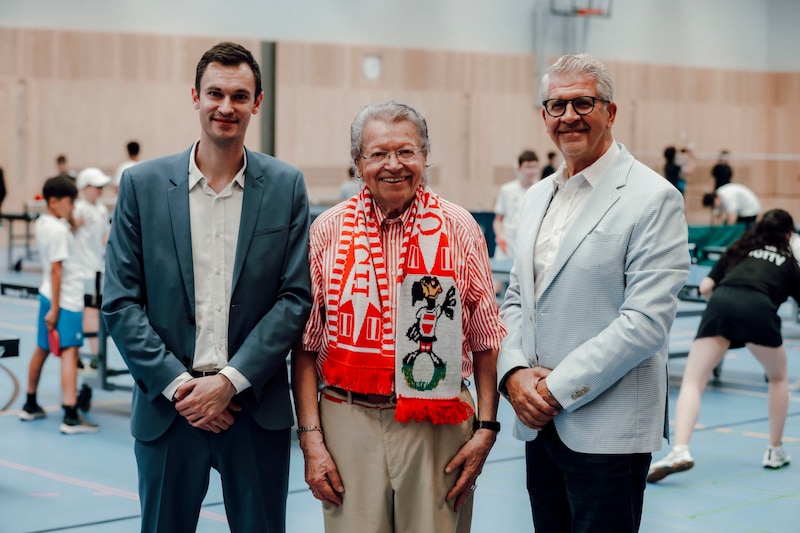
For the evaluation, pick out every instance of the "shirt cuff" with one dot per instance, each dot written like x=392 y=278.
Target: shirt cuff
x=172 y=388
x=238 y=380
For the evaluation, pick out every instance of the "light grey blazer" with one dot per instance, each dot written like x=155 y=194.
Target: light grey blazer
x=603 y=319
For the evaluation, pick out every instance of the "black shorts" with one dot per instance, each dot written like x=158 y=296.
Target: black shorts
x=741 y=315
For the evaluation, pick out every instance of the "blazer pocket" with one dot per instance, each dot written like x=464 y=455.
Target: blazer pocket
x=601 y=237
x=599 y=253
x=269 y=231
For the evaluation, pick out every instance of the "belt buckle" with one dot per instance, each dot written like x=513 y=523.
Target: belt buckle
x=204 y=373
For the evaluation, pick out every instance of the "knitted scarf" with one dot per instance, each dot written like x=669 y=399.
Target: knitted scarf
x=419 y=358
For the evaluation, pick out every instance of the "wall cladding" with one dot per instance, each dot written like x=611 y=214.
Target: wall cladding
x=86 y=94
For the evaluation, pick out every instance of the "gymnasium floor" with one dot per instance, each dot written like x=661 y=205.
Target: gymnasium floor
x=87 y=483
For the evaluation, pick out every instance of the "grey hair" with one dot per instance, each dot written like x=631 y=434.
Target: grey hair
x=389 y=112
x=584 y=65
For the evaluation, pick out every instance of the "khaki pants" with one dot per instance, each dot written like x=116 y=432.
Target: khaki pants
x=393 y=473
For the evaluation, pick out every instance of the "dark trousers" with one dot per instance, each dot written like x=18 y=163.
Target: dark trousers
x=253 y=464
x=573 y=492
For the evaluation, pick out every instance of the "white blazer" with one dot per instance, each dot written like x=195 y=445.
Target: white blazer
x=603 y=319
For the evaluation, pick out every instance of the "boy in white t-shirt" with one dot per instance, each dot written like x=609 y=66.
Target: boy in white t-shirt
x=91 y=221
x=60 y=306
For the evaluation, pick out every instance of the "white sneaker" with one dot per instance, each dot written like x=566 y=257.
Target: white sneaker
x=675 y=461
x=775 y=457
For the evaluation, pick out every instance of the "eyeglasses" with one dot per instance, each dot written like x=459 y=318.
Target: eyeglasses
x=582 y=105
x=404 y=154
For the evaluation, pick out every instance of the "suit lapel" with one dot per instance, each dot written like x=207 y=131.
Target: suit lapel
x=251 y=208
x=533 y=212
x=600 y=200
x=178 y=201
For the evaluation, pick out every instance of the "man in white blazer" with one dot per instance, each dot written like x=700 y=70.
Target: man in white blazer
x=601 y=254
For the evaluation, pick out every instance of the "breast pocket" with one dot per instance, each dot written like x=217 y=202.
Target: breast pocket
x=268 y=231
x=600 y=254
x=267 y=248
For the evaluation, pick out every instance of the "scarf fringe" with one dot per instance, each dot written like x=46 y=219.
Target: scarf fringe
x=362 y=380
x=452 y=411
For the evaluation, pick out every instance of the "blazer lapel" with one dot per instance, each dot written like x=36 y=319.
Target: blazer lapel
x=597 y=205
x=251 y=208
x=533 y=212
x=178 y=201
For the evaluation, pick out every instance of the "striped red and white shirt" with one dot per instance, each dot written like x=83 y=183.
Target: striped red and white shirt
x=481 y=323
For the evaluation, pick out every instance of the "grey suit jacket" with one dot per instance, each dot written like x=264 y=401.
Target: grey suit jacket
x=148 y=298
x=603 y=319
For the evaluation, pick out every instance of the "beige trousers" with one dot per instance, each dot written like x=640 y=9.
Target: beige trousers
x=393 y=473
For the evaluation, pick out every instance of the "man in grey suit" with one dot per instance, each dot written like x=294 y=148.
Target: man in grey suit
x=207 y=288
x=601 y=256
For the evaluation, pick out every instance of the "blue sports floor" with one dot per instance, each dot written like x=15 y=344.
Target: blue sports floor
x=87 y=483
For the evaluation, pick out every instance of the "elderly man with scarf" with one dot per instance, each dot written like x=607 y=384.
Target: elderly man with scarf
x=403 y=313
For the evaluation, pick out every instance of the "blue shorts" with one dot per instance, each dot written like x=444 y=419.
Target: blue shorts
x=69 y=326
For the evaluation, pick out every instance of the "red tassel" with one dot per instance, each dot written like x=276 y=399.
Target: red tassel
x=452 y=411
x=363 y=380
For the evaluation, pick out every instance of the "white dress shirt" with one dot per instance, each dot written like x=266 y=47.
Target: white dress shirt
x=214 y=220
x=569 y=197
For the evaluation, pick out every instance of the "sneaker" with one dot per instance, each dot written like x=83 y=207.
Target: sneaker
x=31 y=412
x=85 y=398
x=675 y=461
x=775 y=457
x=71 y=426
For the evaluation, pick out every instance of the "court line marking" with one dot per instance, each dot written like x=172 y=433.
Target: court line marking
x=96 y=487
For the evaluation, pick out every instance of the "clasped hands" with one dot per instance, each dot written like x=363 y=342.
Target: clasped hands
x=206 y=404
x=530 y=397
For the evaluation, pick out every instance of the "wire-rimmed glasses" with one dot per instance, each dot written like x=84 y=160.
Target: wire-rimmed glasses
x=403 y=155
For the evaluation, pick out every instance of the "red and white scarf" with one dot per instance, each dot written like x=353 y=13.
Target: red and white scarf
x=419 y=358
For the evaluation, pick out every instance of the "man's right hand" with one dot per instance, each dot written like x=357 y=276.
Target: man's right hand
x=529 y=405
x=322 y=475
x=206 y=402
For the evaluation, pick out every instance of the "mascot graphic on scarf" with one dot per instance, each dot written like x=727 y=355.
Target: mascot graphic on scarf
x=428 y=289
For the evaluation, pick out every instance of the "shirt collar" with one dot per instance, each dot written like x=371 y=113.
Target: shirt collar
x=195 y=175
x=382 y=221
x=593 y=173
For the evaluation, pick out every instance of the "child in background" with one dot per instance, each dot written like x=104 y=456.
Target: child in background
x=60 y=305
x=91 y=221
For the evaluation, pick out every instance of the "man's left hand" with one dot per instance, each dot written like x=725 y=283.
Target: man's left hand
x=202 y=400
x=470 y=459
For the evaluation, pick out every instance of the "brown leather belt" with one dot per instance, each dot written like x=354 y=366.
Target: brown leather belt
x=374 y=399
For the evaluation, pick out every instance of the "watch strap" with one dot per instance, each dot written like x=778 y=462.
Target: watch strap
x=491 y=425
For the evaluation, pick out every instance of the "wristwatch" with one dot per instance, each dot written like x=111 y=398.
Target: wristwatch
x=491 y=425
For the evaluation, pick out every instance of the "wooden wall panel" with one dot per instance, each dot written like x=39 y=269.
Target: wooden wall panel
x=86 y=94
x=8 y=132
x=751 y=114
x=480 y=111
